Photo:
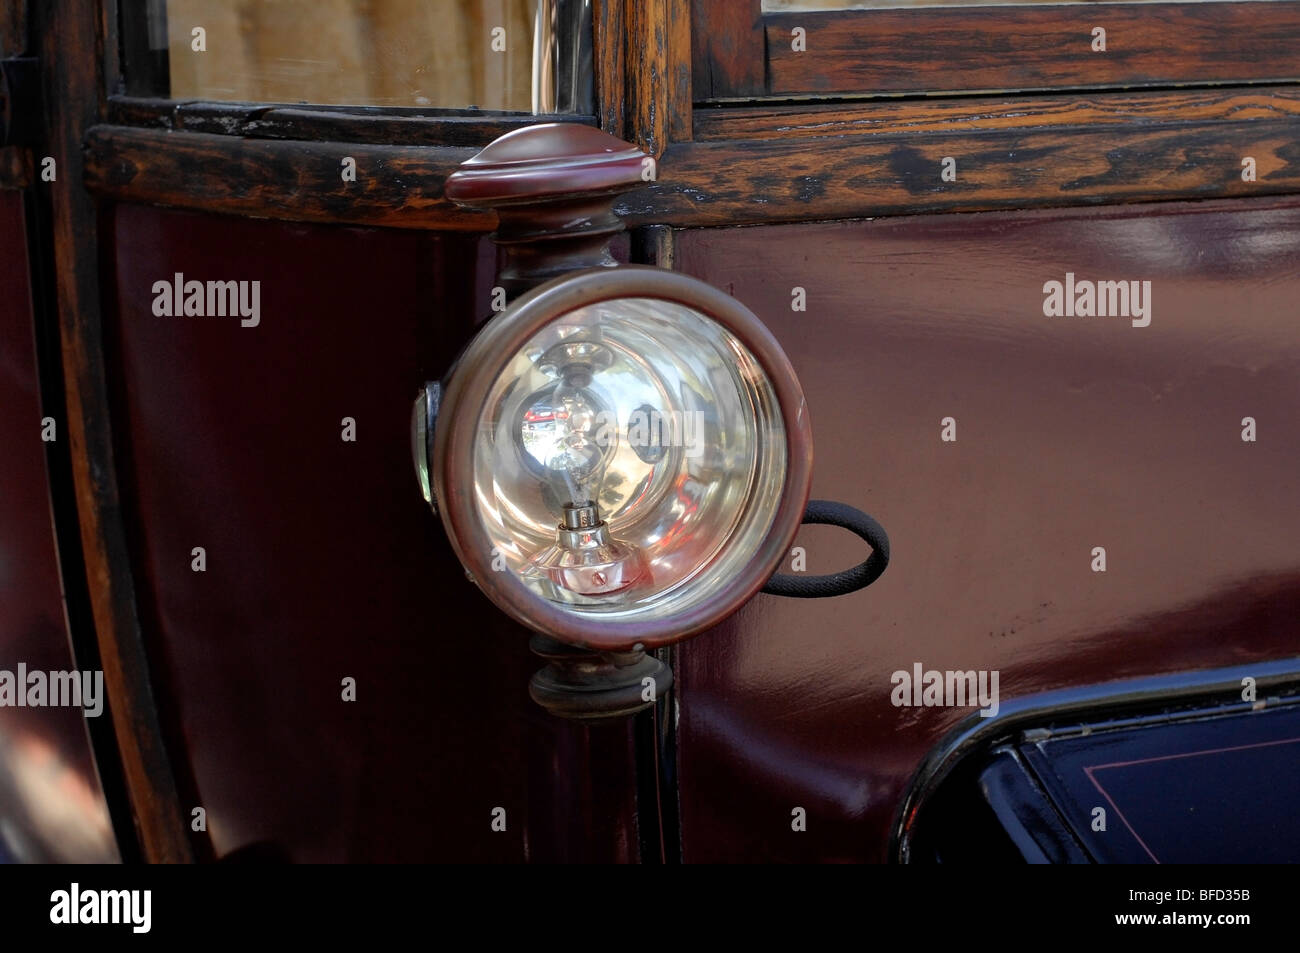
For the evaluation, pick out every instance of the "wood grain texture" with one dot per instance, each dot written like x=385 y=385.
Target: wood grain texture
x=670 y=77
x=334 y=124
x=129 y=57
x=609 y=60
x=727 y=49
x=785 y=178
x=13 y=28
x=971 y=113
x=396 y=186
x=655 y=245
x=71 y=48
x=643 y=72
x=729 y=183
x=863 y=52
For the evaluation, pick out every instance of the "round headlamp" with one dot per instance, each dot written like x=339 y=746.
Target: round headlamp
x=620 y=459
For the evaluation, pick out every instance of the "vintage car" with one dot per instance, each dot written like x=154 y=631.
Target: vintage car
x=649 y=430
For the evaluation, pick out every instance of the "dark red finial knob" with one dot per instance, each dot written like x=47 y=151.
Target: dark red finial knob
x=553 y=188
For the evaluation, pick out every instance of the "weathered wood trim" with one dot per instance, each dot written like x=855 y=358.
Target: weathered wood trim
x=324 y=123
x=804 y=179
x=111 y=49
x=609 y=24
x=643 y=71
x=659 y=56
x=655 y=245
x=396 y=186
x=973 y=113
x=729 y=60
x=1161 y=147
x=952 y=49
x=72 y=46
x=14 y=36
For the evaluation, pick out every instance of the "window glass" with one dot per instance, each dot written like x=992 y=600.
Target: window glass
x=510 y=55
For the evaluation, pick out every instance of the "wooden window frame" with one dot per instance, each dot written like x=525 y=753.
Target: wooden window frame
x=742 y=53
x=361 y=124
x=720 y=165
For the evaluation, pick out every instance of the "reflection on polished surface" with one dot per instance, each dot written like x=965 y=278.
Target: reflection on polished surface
x=514 y=55
x=1071 y=433
x=642 y=430
x=51 y=805
x=51 y=811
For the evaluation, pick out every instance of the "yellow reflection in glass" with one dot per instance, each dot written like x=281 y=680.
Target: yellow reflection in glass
x=432 y=53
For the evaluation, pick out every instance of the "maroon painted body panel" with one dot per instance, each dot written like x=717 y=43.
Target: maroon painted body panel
x=51 y=805
x=1072 y=433
x=323 y=562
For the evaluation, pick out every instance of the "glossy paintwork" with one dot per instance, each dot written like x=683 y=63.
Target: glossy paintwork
x=323 y=561
x=51 y=804
x=1071 y=433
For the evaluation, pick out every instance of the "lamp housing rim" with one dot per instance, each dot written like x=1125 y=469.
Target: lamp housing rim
x=465 y=391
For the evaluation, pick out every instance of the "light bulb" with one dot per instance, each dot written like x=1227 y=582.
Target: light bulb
x=581 y=442
x=570 y=435
x=621 y=458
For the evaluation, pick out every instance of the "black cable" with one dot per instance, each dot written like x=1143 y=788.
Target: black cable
x=850 y=580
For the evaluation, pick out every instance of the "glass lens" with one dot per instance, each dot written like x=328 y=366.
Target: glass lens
x=629 y=459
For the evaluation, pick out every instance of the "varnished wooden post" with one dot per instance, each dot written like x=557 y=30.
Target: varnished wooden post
x=71 y=45
x=643 y=71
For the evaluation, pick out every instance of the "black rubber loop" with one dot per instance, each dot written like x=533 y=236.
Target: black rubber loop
x=850 y=580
